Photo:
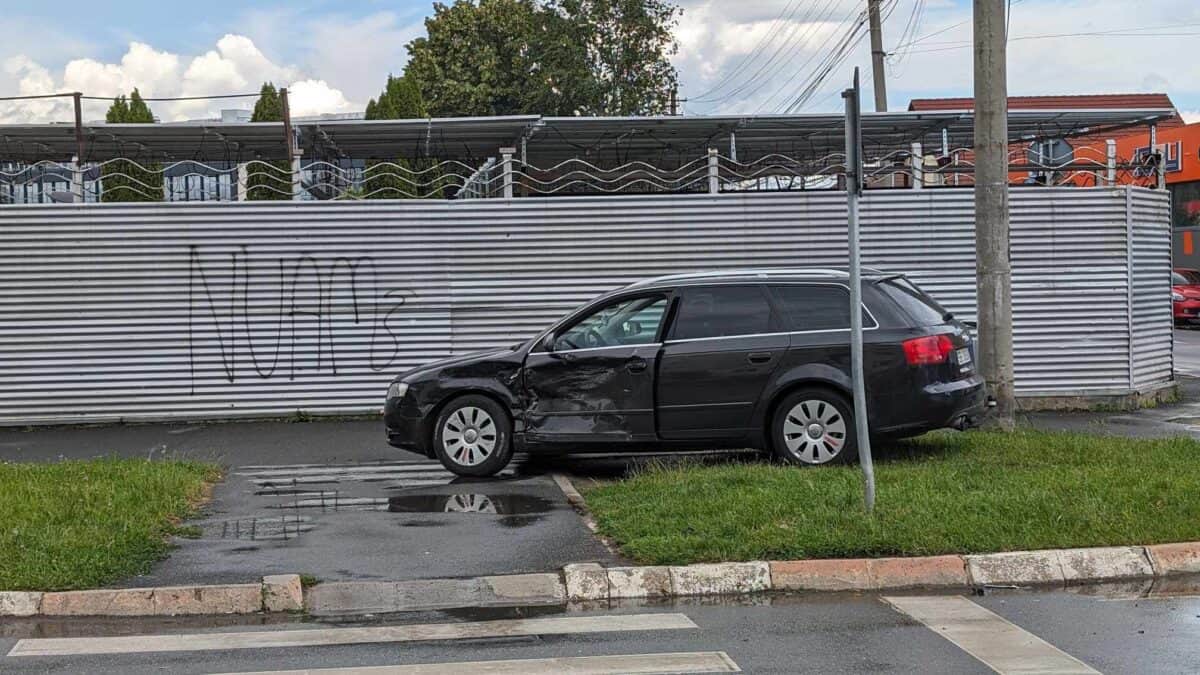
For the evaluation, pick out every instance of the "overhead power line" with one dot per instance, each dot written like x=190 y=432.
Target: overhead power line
x=788 y=46
x=1120 y=32
x=776 y=25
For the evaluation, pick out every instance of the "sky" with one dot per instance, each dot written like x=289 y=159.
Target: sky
x=735 y=56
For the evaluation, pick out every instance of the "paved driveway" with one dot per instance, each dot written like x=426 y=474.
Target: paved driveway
x=331 y=499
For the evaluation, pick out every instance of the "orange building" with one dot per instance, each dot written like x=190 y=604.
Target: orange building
x=1179 y=148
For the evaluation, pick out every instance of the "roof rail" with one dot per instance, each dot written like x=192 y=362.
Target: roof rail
x=765 y=272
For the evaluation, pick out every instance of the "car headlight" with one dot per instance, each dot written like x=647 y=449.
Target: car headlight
x=397 y=390
x=1177 y=297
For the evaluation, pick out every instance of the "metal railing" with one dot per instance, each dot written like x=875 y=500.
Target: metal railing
x=508 y=177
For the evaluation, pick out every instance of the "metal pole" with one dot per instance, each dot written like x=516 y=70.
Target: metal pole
x=853 y=191
x=1110 y=162
x=77 y=164
x=916 y=162
x=289 y=143
x=993 y=275
x=877 y=55
x=1160 y=174
x=714 y=184
x=506 y=155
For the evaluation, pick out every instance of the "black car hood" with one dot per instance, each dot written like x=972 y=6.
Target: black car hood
x=459 y=360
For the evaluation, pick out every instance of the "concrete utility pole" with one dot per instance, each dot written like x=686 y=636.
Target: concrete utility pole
x=993 y=268
x=877 y=55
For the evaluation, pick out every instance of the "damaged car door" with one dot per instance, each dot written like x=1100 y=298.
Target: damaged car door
x=592 y=380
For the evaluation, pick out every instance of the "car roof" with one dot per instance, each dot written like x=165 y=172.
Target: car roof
x=766 y=274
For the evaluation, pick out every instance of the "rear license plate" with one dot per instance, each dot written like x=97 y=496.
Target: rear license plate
x=964 y=356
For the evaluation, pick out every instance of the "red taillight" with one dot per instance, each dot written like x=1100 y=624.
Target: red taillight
x=929 y=350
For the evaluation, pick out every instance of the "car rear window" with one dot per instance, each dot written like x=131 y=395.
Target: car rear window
x=726 y=310
x=816 y=307
x=922 y=309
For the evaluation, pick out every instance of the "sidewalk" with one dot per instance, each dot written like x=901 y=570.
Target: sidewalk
x=1176 y=419
x=332 y=500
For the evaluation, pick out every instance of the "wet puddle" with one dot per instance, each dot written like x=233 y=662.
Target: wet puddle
x=502 y=505
x=292 y=500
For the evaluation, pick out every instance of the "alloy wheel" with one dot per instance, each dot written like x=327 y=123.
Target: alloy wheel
x=814 y=431
x=469 y=436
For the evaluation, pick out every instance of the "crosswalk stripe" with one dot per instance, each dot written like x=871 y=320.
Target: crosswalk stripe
x=349 y=636
x=633 y=664
x=998 y=643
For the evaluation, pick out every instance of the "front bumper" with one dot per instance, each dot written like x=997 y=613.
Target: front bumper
x=406 y=427
x=1187 y=310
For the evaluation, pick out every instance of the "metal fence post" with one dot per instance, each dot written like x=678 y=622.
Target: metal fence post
x=506 y=155
x=1160 y=164
x=297 y=183
x=916 y=162
x=714 y=183
x=1110 y=162
x=243 y=181
x=76 y=180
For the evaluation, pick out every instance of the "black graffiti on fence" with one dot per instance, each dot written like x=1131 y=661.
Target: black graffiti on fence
x=357 y=277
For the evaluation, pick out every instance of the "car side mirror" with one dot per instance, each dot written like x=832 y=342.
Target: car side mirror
x=631 y=329
x=548 y=345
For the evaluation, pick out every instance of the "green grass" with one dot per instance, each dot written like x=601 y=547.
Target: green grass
x=944 y=493
x=83 y=524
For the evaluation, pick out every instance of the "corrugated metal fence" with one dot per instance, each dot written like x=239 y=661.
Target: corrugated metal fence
x=205 y=310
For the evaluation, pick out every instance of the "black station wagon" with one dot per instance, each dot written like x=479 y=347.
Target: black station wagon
x=733 y=359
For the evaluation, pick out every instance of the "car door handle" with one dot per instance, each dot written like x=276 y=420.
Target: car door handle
x=759 y=357
x=635 y=365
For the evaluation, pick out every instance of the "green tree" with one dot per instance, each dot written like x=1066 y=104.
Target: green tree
x=475 y=58
x=553 y=57
x=268 y=180
x=626 y=46
x=128 y=180
x=401 y=178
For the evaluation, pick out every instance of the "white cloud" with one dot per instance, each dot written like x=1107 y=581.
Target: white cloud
x=1190 y=116
x=716 y=35
x=234 y=65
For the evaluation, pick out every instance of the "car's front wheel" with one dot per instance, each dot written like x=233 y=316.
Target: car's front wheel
x=473 y=436
x=814 y=426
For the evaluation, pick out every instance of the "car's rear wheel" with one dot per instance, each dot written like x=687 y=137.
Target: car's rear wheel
x=814 y=426
x=473 y=436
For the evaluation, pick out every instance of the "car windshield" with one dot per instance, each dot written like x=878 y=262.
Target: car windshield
x=1185 y=278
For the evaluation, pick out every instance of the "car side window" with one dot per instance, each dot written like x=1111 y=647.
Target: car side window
x=722 y=311
x=815 y=307
x=633 y=321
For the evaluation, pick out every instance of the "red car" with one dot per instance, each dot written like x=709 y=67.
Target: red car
x=1185 y=295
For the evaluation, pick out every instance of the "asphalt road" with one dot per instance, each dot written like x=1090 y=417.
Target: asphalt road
x=1110 y=630
x=1187 y=351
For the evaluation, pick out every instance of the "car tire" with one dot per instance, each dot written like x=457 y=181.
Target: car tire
x=809 y=411
x=473 y=436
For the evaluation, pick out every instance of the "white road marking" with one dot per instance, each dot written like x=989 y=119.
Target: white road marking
x=998 y=643
x=634 y=664
x=348 y=636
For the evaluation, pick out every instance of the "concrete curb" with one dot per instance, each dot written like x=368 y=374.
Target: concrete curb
x=279 y=593
x=1161 y=564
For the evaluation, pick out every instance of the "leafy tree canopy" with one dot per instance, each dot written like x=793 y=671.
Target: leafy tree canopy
x=269 y=107
x=553 y=57
x=401 y=99
x=129 y=110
